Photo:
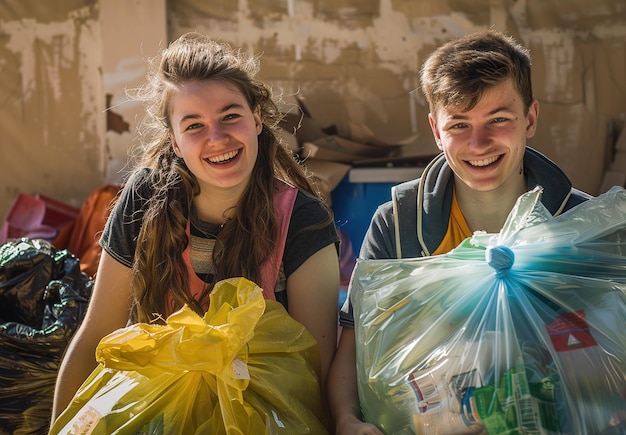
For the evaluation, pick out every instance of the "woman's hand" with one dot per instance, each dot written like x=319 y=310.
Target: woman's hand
x=343 y=391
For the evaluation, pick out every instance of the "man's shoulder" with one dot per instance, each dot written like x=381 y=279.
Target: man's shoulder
x=406 y=191
x=408 y=186
x=577 y=197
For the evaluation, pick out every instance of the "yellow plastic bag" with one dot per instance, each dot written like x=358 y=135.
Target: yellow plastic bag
x=247 y=367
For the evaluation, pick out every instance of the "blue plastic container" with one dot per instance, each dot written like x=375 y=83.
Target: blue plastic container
x=354 y=205
x=362 y=190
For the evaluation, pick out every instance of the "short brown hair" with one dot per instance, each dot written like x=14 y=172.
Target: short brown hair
x=457 y=73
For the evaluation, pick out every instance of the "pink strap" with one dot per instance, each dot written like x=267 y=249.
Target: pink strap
x=284 y=199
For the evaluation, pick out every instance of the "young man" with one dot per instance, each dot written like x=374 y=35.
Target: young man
x=482 y=111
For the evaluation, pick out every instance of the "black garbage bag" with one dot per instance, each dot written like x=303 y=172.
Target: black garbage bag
x=43 y=299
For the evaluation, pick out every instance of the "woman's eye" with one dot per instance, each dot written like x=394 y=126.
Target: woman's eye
x=193 y=126
x=231 y=116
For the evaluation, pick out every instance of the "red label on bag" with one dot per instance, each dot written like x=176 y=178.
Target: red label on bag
x=570 y=331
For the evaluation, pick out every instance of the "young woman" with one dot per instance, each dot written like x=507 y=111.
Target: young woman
x=214 y=196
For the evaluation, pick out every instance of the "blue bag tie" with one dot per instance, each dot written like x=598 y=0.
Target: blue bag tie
x=500 y=258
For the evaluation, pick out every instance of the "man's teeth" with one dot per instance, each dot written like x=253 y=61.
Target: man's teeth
x=223 y=157
x=483 y=162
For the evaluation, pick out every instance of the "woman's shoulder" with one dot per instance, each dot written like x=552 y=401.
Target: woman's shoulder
x=307 y=202
x=136 y=192
x=139 y=183
x=139 y=178
x=304 y=196
x=309 y=211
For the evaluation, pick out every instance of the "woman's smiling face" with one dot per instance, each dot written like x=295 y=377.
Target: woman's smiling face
x=485 y=146
x=214 y=130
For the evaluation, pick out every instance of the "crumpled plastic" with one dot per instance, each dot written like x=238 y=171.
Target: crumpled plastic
x=43 y=298
x=246 y=367
x=523 y=331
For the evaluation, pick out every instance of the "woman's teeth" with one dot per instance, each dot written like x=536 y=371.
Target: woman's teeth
x=483 y=162
x=224 y=157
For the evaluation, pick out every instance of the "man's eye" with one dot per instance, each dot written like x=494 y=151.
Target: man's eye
x=459 y=125
x=498 y=120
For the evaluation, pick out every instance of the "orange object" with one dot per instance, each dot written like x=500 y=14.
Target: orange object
x=81 y=237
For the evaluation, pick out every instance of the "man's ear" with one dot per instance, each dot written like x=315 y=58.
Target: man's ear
x=433 y=126
x=531 y=119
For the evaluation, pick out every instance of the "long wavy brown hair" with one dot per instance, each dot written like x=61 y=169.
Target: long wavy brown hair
x=245 y=240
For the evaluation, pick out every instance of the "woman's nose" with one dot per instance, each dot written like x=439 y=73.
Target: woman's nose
x=217 y=135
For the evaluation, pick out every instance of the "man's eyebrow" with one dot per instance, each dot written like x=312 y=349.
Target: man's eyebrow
x=500 y=109
x=491 y=112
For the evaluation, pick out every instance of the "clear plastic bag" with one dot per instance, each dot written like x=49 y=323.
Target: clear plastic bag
x=247 y=367
x=518 y=332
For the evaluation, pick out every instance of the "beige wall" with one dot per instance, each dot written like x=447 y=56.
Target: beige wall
x=133 y=31
x=51 y=99
x=62 y=64
x=357 y=60
x=350 y=60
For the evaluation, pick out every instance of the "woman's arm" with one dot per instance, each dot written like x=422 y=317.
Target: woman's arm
x=342 y=389
x=313 y=295
x=109 y=309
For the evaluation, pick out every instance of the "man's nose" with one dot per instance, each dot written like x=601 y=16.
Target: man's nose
x=480 y=137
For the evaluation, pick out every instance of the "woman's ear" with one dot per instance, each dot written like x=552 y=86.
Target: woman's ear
x=175 y=146
x=257 y=121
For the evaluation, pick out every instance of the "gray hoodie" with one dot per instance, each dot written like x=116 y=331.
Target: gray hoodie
x=423 y=209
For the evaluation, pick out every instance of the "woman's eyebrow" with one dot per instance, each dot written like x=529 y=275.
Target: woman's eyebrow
x=231 y=106
x=226 y=108
x=190 y=116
